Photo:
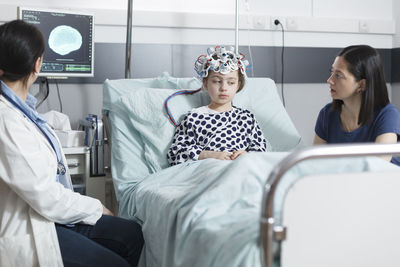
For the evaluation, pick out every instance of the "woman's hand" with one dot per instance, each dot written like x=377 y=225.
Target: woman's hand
x=206 y=154
x=237 y=153
x=107 y=211
x=386 y=138
x=318 y=140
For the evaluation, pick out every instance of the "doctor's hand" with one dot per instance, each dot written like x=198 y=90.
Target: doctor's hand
x=107 y=211
x=237 y=153
x=206 y=154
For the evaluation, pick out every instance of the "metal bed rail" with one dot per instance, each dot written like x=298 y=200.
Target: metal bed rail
x=273 y=234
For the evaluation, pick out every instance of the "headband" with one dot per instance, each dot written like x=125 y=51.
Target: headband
x=220 y=59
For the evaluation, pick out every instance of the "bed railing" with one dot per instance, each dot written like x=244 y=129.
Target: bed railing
x=272 y=233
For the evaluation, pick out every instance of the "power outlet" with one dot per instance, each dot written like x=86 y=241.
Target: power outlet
x=259 y=22
x=291 y=24
x=278 y=27
x=363 y=26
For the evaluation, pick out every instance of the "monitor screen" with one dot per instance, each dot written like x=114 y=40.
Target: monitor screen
x=68 y=38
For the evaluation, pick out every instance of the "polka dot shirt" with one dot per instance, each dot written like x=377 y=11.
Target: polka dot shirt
x=206 y=129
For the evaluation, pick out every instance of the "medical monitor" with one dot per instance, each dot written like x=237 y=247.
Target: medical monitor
x=68 y=41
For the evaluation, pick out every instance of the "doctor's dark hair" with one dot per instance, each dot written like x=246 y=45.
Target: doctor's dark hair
x=364 y=62
x=21 y=44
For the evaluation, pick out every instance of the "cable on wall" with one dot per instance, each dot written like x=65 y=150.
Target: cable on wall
x=277 y=22
x=59 y=97
x=43 y=93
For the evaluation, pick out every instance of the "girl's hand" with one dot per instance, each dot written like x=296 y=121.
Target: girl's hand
x=237 y=153
x=205 y=154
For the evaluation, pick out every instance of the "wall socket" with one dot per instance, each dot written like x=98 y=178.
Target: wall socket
x=259 y=22
x=363 y=26
x=291 y=24
x=277 y=27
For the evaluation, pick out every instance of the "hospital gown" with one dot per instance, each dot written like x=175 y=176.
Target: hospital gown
x=206 y=129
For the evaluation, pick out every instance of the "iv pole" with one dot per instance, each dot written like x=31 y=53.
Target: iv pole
x=237 y=26
x=128 y=49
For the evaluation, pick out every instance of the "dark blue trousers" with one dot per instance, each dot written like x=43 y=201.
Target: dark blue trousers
x=112 y=241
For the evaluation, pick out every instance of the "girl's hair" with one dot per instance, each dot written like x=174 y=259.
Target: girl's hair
x=242 y=80
x=364 y=62
x=21 y=44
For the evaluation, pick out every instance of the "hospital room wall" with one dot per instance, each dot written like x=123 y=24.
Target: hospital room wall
x=315 y=24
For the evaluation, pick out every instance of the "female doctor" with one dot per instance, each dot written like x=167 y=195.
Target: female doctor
x=42 y=221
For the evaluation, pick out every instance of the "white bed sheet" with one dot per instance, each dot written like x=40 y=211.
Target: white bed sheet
x=206 y=213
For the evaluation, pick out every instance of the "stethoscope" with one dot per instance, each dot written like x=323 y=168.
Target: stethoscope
x=61 y=170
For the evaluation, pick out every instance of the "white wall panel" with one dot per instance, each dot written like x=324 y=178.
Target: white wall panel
x=204 y=6
x=70 y=4
x=396 y=16
x=176 y=27
x=301 y=8
x=152 y=35
x=297 y=7
x=365 y=9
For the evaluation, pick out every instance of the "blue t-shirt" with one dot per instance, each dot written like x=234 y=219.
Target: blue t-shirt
x=329 y=127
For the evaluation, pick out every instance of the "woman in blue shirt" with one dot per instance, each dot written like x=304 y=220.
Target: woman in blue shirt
x=360 y=110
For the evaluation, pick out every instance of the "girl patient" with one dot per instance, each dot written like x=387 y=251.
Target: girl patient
x=219 y=130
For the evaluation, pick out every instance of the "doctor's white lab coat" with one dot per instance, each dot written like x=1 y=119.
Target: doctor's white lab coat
x=30 y=198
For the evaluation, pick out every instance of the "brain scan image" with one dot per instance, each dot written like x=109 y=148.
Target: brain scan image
x=64 y=39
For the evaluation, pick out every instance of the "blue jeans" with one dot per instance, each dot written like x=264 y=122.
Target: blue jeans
x=112 y=241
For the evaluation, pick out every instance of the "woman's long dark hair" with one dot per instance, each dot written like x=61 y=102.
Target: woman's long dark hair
x=364 y=62
x=21 y=44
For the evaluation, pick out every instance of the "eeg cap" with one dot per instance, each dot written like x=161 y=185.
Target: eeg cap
x=220 y=59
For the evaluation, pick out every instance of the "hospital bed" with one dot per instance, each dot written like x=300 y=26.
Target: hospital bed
x=211 y=212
